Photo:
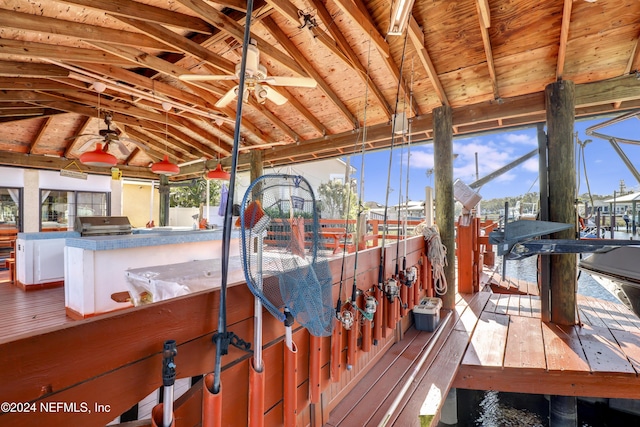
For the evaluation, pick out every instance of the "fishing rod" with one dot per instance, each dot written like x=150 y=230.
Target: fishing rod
x=390 y=288
x=223 y=337
x=408 y=275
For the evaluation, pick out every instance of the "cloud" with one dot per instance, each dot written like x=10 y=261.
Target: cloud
x=521 y=138
x=421 y=159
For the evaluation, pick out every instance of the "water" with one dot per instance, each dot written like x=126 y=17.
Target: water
x=527 y=269
x=496 y=409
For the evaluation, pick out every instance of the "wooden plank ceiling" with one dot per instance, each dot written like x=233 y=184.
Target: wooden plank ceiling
x=490 y=60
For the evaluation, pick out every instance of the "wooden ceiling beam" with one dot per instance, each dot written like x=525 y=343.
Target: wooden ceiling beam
x=633 y=57
x=119 y=75
x=39 y=134
x=362 y=73
x=564 y=37
x=157 y=149
x=44 y=112
x=30 y=69
x=165 y=143
x=365 y=23
x=485 y=22
x=485 y=13
x=58 y=53
x=290 y=12
x=76 y=141
x=146 y=12
x=230 y=26
x=51 y=163
x=205 y=149
x=591 y=98
x=286 y=43
x=417 y=38
x=16 y=83
x=181 y=43
x=78 y=30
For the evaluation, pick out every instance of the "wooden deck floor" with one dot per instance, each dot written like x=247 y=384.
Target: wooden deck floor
x=25 y=312
x=512 y=350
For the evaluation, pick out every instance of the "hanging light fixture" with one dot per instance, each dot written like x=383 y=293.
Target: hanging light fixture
x=98 y=157
x=218 y=172
x=165 y=167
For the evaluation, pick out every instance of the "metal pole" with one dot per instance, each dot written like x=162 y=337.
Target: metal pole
x=228 y=214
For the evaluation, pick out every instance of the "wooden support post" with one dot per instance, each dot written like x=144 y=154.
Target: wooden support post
x=559 y=103
x=477 y=255
x=256 y=169
x=164 y=191
x=443 y=160
x=465 y=258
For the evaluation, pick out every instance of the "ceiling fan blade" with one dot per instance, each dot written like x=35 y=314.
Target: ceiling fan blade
x=89 y=142
x=123 y=148
x=227 y=98
x=80 y=135
x=274 y=96
x=138 y=144
x=204 y=77
x=291 y=81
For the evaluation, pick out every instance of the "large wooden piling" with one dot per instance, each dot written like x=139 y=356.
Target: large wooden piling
x=443 y=166
x=559 y=103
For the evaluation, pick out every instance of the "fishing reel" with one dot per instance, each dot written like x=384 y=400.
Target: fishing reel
x=346 y=318
x=391 y=289
x=410 y=276
x=370 y=305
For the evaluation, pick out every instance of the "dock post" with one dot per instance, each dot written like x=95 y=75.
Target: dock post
x=560 y=108
x=449 y=411
x=445 y=220
x=563 y=411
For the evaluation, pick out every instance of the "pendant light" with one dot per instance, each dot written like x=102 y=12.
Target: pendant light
x=98 y=157
x=165 y=167
x=218 y=172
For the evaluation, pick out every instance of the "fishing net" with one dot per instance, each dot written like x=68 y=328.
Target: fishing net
x=280 y=256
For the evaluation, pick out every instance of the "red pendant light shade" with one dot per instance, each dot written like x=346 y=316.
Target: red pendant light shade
x=165 y=167
x=219 y=173
x=98 y=157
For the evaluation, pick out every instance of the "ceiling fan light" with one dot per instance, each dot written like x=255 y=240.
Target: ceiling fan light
x=165 y=167
x=98 y=158
x=219 y=173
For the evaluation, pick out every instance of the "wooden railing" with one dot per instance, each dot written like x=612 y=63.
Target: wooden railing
x=112 y=361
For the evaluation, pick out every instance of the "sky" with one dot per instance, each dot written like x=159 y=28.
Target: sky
x=604 y=168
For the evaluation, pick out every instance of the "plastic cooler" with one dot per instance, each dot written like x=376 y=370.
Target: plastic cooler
x=427 y=314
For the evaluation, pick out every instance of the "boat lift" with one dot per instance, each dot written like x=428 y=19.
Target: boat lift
x=518 y=240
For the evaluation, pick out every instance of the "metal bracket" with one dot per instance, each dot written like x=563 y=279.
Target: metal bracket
x=224 y=339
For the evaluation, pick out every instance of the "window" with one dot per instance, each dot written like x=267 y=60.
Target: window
x=60 y=208
x=11 y=208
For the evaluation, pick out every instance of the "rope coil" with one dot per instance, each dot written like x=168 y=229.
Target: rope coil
x=437 y=254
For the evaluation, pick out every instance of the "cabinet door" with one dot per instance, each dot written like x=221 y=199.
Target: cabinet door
x=49 y=260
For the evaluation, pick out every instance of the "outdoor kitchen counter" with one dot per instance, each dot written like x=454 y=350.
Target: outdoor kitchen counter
x=95 y=267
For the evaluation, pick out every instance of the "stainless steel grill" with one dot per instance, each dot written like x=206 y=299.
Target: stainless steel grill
x=102 y=225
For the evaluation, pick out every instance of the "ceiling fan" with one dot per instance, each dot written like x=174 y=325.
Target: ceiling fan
x=109 y=136
x=256 y=81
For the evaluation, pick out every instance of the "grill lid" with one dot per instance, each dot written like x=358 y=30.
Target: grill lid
x=102 y=225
